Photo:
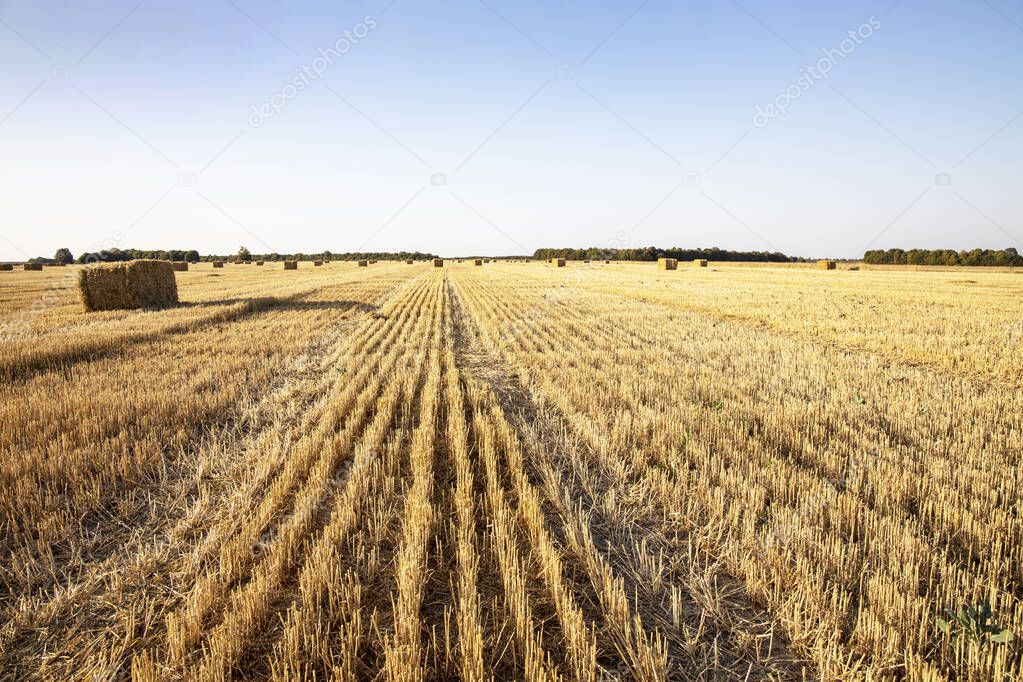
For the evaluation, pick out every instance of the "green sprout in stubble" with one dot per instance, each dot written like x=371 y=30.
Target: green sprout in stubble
x=975 y=623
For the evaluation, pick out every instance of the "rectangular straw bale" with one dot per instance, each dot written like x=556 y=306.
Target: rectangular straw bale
x=478 y=261
x=363 y=263
x=259 y=263
x=558 y=262
x=317 y=263
x=291 y=265
x=408 y=262
x=667 y=264
x=826 y=264
x=438 y=262
x=179 y=266
x=700 y=262
x=35 y=267
x=128 y=285
x=218 y=263
x=6 y=267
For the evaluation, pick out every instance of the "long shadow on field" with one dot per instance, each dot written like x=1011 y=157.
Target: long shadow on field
x=23 y=366
x=286 y=303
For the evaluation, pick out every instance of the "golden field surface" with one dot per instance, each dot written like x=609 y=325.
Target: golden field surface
x=514 y=471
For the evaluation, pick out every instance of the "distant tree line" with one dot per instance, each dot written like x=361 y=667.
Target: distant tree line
x=115 y=255
x=651 y=253
x=329 y=256
x=943 y=257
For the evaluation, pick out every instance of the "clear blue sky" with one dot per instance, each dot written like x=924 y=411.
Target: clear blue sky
x=498 y=127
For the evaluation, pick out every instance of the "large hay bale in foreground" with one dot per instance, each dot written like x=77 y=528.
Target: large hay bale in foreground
x=291 y=265
x=34 y=267
x=129 y=285
x=363 y=263
x=700 y=262
x=218 y=263
x=178 y=266
x=826 y=264
x=478 y=261
x=6 y=267
x=438 y=262
x=667 y=264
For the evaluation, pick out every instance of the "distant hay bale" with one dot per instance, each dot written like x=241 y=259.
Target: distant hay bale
x=558 y=262
x=6 y=267
x=667 y=264
x=179 y=266
x=586 y=261
x=826 y=265
x=372 y=262
x=700 y=262
x=478 y=261
x=438 y=262
x=409 y=262
x=56 y=265
x=259 y=263
x=317 y=263
x=218 y=263
x=607 y=262
x=854 y=268
x=363 y=263
x=128 y=285
x=35 y=267
x=291 y=265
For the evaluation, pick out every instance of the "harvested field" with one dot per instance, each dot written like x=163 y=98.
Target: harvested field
x=514 y=472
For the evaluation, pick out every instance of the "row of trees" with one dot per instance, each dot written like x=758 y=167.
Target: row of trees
x=115 y=255
x=650 y=253
x=943 y=257
x=244 y=254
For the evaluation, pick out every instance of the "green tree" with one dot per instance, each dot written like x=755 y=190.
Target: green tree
x=244 y=253
x=63 y=255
